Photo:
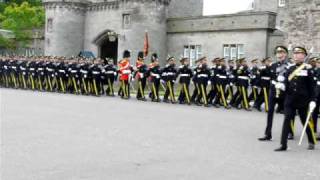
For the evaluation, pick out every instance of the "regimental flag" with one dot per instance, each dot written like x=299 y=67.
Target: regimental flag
x=146 y=44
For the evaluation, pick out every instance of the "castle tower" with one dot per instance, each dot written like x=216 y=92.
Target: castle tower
x=298 y=20
x=64 y=29
x=113 y=26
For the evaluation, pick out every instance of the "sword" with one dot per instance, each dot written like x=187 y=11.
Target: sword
x=305 y=126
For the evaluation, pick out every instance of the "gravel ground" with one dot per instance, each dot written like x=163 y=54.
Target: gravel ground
x=49 y=136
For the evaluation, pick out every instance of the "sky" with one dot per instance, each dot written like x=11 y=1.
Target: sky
x=212 y=7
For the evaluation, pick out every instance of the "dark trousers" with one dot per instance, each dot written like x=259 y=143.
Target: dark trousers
x=263 y=97
x=254 y=94
x=96 y=86
x=242 y=97
x=202 y=96
x=110 y=88
x=221 y=95
x=290 y=113
x=184 y=95
x=273 y=100
x=141 y=87
x=213 y=93
x=315 y=115
x=195 y=92
x=154 y=95
x=235 y=96
x=169 y=91
x=124 y=90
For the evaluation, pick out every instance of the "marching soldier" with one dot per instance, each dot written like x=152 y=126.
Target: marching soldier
x=203 y=78
x=195 y=81
x=213 y=81
x=254 y=80
x=50 y=69
x=40 y=74
x=23 y=74
x=14 y=73
x=315 y=114
x=264 y=83
x=125 y=72
x=32 y=74
x=154 y=74
x=169 y=75
x=276 y=96
x=62 y=76
x=96 y=72
x=185 y=74
x=236 y=84
x=222 y=81
x=110 y=76
x=299 y=86
x=243 y=83
x=74 y=77
x=231 y=79
x=141 y=75
x=84 y=75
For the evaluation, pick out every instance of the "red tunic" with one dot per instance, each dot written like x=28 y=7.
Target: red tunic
x=124 y=69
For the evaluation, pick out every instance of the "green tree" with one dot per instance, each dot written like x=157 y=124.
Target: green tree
x=21 y=20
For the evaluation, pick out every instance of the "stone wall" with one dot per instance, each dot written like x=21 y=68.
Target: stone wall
x=212 y=32
x=185 y=8
x=299 y=20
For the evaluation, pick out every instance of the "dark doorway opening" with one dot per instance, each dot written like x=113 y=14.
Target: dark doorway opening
x=109 y=49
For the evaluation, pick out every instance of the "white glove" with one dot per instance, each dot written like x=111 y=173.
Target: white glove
x=312 y=105
x=162 y=81
x=280 y=78
x=281 y=86
x=209 y=82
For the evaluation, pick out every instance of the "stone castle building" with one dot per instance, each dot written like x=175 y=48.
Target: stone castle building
x=178 y=28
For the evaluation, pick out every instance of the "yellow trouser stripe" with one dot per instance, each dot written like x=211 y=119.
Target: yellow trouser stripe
x=62 y=85
x=245 y=97
x=110 y=87
x=141 y=90
x=154 y=91
x=204 y=96
x=95 y=86
x=75 y=84
x=310 y=124
x=222 y=96
x=186 y=93
x=266 y=102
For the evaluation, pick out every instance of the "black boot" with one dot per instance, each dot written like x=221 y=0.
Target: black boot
x=281 y=148
x=265 y=138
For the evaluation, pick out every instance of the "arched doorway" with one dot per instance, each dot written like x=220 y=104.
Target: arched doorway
x=107 y=42
x=109 y=49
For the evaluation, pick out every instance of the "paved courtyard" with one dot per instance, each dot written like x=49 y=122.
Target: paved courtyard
x=49 y=136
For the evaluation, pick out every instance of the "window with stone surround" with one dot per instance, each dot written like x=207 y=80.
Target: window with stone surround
x=49 y=25
x=282 y=3
x=233 y=51
x=126 y=21
x=193 y=52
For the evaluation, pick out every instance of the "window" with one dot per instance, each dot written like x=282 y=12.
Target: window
x=233 y=51
x=126 y=21
x=193 y=52
x=49 y=24
x=282 y=3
